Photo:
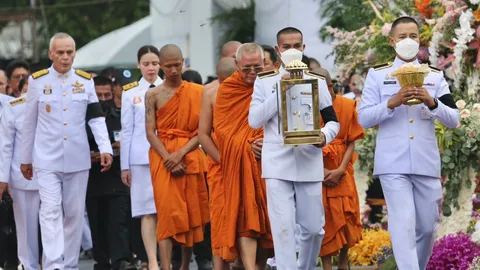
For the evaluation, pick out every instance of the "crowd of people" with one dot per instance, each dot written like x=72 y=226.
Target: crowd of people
x=159 y=168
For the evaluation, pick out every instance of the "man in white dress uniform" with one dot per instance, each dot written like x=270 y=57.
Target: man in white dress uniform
x=293 y=175
x=54 y=147
x=407 y=159
x=26 y=200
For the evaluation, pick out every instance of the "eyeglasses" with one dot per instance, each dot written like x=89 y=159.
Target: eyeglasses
x=256 y=69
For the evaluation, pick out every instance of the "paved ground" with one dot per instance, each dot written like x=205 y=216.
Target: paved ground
x=88 y=265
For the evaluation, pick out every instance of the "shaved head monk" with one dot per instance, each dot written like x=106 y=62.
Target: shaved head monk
x=225 y=67
x=177 y=164
x=246 y=217
x=229 y=49
x=343 y=228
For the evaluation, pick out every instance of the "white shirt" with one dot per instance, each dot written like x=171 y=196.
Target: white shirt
x=406 y=142
x=133 y=142
x=10 y=124
x=302 y=163
x=53 y=136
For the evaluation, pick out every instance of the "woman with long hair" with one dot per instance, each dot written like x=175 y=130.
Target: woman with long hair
x=134 y=151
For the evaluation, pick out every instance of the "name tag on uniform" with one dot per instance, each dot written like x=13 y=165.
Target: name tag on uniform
x=389 y=82
x=425 y=113
x=117 y=135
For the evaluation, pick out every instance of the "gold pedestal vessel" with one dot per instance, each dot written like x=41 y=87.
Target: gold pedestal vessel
x=411 y=75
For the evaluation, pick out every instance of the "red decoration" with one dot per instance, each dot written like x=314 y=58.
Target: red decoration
x=423 y=6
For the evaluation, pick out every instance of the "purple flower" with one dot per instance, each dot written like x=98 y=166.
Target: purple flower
x=454 y=251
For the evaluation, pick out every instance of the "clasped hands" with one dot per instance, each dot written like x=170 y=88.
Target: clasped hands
x=332 y=177
x=174 y=163
x=410 y=92
x=257 y=148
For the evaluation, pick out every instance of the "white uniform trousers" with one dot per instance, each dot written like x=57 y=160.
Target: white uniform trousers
x=62 y=216
x=26 y=204
x=86 y=243
x=141 y=191
x=413 y=205
x=290 y=203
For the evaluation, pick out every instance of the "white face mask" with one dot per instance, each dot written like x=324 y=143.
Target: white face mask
x=407 y=48
x=290 y=55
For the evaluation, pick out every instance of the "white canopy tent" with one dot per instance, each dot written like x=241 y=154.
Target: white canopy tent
x=117 y=48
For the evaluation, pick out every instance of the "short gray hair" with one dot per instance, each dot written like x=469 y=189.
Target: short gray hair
x=249 y=48
x=60 y=36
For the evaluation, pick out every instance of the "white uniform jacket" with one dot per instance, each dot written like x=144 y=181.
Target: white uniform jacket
x=133 y=142
x=53 y=136
x=10 y=124
x=406 y=142
x=292 y=163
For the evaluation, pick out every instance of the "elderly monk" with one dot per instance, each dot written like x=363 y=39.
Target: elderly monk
x=225 y=67
x=246 y=217
x=176 y=162
x=343 y=228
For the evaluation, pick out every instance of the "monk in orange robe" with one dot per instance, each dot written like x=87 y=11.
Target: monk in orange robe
x=343 y=228
x=246 y=217
x=225 y=67
x=177 y=164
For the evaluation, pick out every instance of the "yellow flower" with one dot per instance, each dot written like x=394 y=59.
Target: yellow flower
x=476 y=14
x=364 y=253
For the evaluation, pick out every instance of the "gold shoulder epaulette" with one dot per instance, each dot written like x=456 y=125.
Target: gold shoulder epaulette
x=129 y=86
x=40 y=73
x=382 y=66
x=315 y=74
x=266 y=74
x=83 y=74
x=435 y=69
x=18 y=101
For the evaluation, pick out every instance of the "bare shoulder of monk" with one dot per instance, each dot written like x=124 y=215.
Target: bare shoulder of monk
x=211 y=94
x=161 y=95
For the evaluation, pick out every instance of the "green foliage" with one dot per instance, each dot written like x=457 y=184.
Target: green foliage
x=348 y=15
x=84 y=22
x=365 y=149
x=237 y=24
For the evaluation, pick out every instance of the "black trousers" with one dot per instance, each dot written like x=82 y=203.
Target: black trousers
x=109 y=217
x=8 y=238
x=202 y=252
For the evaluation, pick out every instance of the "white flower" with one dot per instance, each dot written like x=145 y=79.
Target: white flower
x=476 y=107
x=465 y=113
x=474 y=2
x=461 y=104
x=463 y=36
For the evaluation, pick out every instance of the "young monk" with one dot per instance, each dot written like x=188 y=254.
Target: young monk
x=225 y=67
x=246 y=216
x=343 y=228
x=176 y=162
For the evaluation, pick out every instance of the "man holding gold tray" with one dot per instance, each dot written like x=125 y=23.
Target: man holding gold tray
x=404 y=98
x=293 y=166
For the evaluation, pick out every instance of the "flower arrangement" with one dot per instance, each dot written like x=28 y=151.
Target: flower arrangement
x=459 y=151
x=365 y=252
x=455 y=251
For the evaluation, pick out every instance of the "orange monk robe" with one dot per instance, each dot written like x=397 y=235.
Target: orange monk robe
x=217 y=209
x=245 y=191
x=181 y=202
x=342 y=208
